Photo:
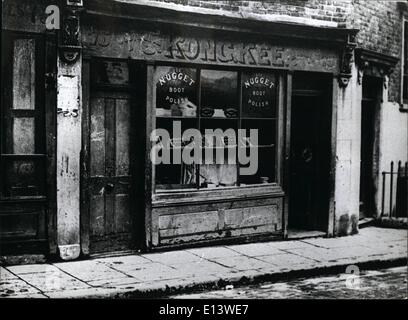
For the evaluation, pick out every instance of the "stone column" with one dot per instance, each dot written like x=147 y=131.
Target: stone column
x=348 y=144
x=69 y=133
x=347 y=183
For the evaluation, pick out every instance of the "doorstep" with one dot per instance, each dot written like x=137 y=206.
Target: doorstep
x=304 y=234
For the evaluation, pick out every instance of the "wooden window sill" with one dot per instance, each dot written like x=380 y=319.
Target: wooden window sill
x=165 y=198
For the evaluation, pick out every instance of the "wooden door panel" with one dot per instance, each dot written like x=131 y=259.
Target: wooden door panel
x=122 y=137
x=97 y=139
x=110 y=179
x=27 y=140
x=97 y=210
x=122 y=219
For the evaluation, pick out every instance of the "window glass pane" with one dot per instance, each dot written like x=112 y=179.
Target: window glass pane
x=219 y=125
x=176 y=92
x=24 y=74
x=111 y=72
x=23 y=136
x=266 y=167
x=219 y=122
x=219 y=95
x=172 y=172
x=176 y=111
x=266 y=130
x=259 y=95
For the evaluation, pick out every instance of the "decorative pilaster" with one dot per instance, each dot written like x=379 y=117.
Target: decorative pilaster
x=69 y=102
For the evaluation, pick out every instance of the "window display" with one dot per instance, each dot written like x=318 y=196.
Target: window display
x=210 y=115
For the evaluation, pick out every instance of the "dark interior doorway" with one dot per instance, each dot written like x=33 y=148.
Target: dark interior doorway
x=372 y=91
x=310 y=152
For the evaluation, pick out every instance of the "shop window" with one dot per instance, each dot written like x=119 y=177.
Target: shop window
x=22 y=148
x=214 y=101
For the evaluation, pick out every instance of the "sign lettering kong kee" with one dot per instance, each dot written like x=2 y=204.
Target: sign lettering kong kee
x=161 y=47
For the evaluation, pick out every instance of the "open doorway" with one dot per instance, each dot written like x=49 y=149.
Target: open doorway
x=372 y=92
x=310 y=154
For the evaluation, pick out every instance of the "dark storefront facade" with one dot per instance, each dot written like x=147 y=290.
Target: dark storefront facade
x=77 y=145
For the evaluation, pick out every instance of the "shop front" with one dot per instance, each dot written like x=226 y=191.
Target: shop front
x=157 y=129
x=152 y=91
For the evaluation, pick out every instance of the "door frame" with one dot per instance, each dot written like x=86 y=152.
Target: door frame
x=376 y=86
x=332 y=156
x=138 y=231
x=46 y=86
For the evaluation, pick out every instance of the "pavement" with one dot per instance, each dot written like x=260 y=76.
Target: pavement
x=163 y=274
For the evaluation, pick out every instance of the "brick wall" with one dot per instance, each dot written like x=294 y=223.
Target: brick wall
x=380 y=25
x=328 y=10
x=379 y=22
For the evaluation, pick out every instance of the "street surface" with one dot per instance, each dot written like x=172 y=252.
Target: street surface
x=379 y=284
x=161 y=273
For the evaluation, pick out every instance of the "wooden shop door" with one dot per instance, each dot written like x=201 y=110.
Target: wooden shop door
x=310 y=153
x=110 y=182
x=113 y=156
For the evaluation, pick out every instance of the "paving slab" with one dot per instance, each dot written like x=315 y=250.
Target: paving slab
x=172 y=257
x=214 y=252
x=89 y=270
x=289 y=244
x=242 y=263
x=32 y=268
x=53 y=281
x=114 y=283
x=6 y=275
x=17 y=288
x=200 y=268
x=153 y=271
x=255 y=249
x=285 y=259
x=124 y=260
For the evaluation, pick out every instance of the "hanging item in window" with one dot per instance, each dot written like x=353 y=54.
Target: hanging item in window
x=219 y=98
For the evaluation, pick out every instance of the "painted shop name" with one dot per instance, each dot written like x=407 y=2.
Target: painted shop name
x=221 y=52
x=160 y=47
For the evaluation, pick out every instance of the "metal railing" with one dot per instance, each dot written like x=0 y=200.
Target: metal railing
x=397 y=181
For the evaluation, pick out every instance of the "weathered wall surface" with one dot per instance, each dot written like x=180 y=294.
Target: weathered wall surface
x=68 y=159
x=347 y=185
x=393 y=146
x=380 y=25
